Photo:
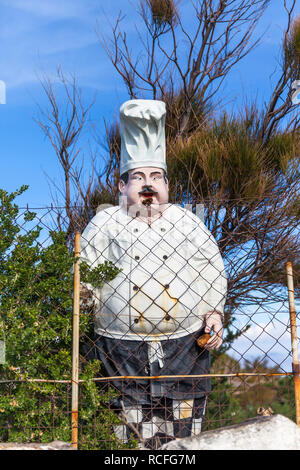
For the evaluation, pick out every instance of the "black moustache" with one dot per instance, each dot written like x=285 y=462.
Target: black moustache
x=147 y=190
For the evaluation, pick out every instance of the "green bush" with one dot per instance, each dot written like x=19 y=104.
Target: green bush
x=36 y=310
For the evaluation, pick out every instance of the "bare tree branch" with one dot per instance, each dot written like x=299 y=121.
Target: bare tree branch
x=280 y=104
x=221 y=38
x=64 y=125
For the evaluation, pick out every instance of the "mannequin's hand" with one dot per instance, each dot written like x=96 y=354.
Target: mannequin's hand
x=213 y=322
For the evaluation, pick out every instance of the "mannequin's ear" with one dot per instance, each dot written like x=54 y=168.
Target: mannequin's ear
x=166 y=183
x=122 y=186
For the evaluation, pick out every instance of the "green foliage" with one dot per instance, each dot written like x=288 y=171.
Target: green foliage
x=36 y=285
x=291 y=49
x=97 y=276
x=225 y=160
x=235 y=399
x=224 y=408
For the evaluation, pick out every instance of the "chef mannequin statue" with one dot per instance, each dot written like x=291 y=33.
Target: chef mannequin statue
x=170 y=290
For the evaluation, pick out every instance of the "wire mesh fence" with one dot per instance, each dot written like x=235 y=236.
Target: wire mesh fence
x=149 y=285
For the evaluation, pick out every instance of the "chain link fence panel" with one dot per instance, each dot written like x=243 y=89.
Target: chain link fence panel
x=149 y=285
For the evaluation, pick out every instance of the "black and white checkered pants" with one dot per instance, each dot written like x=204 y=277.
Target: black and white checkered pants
x=163 y=420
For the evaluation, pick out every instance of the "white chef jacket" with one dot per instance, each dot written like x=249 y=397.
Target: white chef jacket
x=172 y=274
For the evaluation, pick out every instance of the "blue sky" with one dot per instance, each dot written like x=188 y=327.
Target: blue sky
x=36 y=36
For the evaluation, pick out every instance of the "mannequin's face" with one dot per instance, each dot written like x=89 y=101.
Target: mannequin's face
x=145 y=185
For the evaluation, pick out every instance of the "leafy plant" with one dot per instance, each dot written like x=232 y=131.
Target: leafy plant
x=36 y=306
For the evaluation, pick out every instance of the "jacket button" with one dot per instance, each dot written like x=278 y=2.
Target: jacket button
x=135 y=288
x=167 y=286
x=168 y=317
x=137 y=257
x=136 y=320
x=165 y=257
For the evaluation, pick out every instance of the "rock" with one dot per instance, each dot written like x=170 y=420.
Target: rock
x=275 y=432
x=55 y=445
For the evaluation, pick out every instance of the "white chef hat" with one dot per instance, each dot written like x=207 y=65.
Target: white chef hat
x=142 y=127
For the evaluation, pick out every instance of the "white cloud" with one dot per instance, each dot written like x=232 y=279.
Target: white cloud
x=265 y=339
x=39 y=34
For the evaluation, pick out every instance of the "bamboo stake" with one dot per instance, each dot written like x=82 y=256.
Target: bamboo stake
x=75 y=356
x=295 y=357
